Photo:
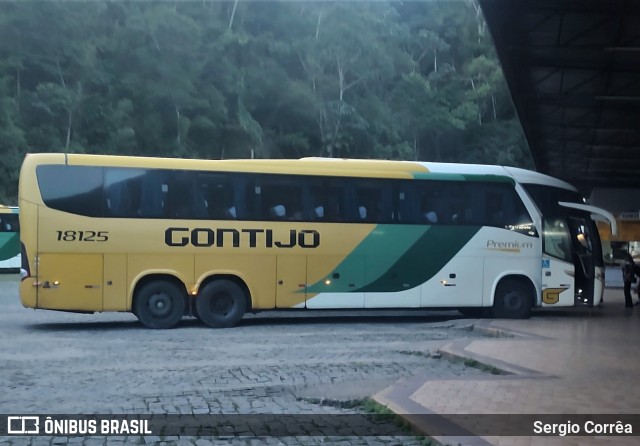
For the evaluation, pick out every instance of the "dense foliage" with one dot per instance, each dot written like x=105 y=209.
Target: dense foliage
x=235 y=79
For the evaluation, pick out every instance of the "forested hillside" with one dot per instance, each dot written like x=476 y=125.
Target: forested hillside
x=239 y=79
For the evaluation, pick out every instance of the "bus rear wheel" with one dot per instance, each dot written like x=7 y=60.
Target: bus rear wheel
x=221 y=303
x=159 y=304
x=513 y=300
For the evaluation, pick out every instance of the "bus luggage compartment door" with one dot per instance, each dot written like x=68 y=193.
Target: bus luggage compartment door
x=115 y=296
x=70 y=282
x=291 y=278
x=335 y=282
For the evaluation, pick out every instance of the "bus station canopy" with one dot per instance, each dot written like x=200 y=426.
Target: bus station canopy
x=573 y=69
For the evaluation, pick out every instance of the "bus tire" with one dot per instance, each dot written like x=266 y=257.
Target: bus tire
x=159 y=304
x=221 y=303
x=512 y=300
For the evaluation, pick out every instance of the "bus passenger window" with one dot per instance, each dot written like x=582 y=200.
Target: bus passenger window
x=434 y=203
x=373 y=201
x=73 y=189
x=406 y=203
x=123 y=192
x=153 y=198
x=187 y=198
x=280 y=198
x=428 y=213
x=494 y=209
x=216 y=195
x=325 y=199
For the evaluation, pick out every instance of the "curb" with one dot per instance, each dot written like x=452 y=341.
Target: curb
x=397 y=397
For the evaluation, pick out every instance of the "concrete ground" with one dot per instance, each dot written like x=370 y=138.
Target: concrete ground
x=559 y=365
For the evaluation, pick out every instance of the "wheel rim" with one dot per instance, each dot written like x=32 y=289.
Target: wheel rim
x=160 y=305
x=512 y=301
x=221 y=304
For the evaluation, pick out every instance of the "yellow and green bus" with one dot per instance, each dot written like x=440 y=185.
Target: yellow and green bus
x=9 y=239
x=215 y=239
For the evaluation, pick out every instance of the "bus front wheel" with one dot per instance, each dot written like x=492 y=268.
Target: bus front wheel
x=221 y=303
x=512 y=300
x=159 y=304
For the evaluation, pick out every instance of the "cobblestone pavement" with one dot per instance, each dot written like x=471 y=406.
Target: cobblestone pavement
x=273 y=363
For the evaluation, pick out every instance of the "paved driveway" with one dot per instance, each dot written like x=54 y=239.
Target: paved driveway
x=273 y=363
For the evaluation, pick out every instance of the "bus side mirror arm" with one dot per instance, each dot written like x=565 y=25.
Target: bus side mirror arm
x=594 y=210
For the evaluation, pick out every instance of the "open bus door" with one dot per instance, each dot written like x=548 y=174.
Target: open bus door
x=572 y=263
x=587 y=251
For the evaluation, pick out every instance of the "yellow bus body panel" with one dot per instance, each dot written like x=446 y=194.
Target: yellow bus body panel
x=102 y=275
x=310 y=166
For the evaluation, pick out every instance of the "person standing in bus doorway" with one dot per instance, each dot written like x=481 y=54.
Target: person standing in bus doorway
x=629 y=272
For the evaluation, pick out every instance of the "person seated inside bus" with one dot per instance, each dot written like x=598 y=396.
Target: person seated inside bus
x=431 y=207
x=430 y=217
x=278 y=212
x=318 y=213
x=231 y=212
x=294 y=211
x=296 y=215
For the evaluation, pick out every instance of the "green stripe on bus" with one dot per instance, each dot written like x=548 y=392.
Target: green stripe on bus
x=423 y=259
x=9 y=245
x=484 y=178
x=375 y=245
x=415 y=256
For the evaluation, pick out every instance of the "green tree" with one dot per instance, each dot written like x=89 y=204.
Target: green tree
x=211 y=79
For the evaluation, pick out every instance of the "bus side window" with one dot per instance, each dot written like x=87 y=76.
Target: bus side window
x=433 y=202
x=75 y=189
x=406 y=203
x=123 y=192
x=240 y=206
x=117 y=200
x=187 y=196
x=216 y=196
x=153 y=194
x=503 y=207
x=373 y=201
x=9 y=224
x=281 y=198
x=325 y=200
x=494 y=208
x=460 y=211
